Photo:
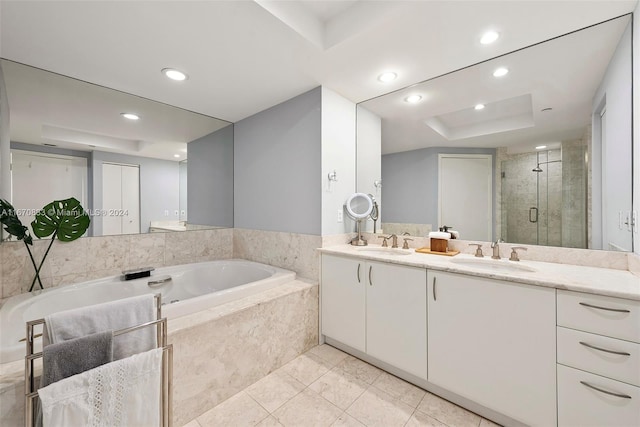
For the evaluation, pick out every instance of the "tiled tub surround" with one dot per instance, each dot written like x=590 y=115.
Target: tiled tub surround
x=291 y=251
x=94 y=257
x=217 y=352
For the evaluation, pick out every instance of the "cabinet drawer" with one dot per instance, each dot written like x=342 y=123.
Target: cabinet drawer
x=579 y=404
x=609 y=357
x=613 y=317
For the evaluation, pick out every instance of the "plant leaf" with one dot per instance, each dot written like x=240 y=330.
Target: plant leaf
x=12 y=223
x=66 y=218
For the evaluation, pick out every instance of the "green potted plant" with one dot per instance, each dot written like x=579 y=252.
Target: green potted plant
x=65 y=220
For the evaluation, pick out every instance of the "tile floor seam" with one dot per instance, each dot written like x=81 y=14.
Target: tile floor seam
x=355 y=400
x=410 y=417
x=330 y=403
x=258 y=403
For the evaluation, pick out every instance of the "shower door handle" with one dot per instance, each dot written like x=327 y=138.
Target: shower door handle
x=533 y=214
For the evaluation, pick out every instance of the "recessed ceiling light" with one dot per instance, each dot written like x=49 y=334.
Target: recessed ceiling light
x=177 y=156
x=489 y=37
x=130 y=116
x=479 y=107
x=541 y=147
x=500 y=72
x=412 y=99
x=174 y=74
x=387 y=77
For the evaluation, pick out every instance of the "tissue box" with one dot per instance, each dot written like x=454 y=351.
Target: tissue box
x=439 y=245
x=439 y=241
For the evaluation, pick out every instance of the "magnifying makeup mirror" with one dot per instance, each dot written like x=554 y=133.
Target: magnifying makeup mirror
x=359 y=207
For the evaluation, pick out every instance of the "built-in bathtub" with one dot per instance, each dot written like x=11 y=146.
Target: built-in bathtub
x=191 y=288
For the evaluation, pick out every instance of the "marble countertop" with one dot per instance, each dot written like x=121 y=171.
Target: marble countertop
x=593 y=280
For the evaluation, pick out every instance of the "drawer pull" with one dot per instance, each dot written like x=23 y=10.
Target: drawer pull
x=621 y=353
x=623 y=396
x=358 y=272
x=370 y=283
x=617 y=310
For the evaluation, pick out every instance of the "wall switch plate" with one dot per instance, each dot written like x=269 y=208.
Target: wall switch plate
x=166 y=213
x=340 y=215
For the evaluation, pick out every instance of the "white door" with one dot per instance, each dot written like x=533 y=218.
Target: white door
x=343 y=300
x=130 y=213
x=120 y=199
x=397 y=316
x=40 y=178
x=465 y=194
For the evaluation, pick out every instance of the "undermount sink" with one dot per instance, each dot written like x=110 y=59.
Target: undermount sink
x=493 y=264
x=384 y=251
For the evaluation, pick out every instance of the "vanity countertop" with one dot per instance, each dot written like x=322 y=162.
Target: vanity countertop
x=594 y=280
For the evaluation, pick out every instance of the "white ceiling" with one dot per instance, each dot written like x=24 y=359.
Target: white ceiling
x=68 y=113
x=245 y=56
x=563 y=73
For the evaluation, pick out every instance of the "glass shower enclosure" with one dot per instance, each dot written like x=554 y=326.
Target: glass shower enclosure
x=544 y=198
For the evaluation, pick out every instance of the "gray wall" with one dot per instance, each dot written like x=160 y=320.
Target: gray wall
x=210 y=179
x=612 y=162
x=277 y=161
x=410 y=184
x=159 y=187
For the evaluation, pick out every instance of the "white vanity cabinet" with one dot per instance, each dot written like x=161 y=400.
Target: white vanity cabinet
x=494 y=342
x=377 y=308
x=598 y=360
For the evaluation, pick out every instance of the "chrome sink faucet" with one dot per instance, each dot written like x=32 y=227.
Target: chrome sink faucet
x=496 y=249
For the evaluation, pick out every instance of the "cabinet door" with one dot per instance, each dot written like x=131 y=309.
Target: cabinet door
x=343 y=300
x=494 y=342
x=397 y=316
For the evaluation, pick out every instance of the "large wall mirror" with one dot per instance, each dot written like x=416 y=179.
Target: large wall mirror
x=136 y=165
x=533 y=147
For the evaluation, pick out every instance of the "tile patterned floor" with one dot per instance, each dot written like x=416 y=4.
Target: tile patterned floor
x=326 y=387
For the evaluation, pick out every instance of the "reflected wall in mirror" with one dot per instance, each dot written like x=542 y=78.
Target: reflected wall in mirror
x=70 y=138
x=557 y=127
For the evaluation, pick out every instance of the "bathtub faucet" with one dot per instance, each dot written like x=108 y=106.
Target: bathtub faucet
x=136 y=273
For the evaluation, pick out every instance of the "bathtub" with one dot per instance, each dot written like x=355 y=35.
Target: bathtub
x=192 y=288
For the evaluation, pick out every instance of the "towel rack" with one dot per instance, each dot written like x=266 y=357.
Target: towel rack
x=167 y=365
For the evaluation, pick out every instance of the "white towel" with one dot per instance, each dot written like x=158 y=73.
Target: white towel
x=122 y=393
x=110 y=316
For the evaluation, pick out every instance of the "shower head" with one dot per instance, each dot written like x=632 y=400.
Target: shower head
x=537 y=169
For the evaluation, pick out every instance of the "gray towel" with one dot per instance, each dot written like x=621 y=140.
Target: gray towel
x=110 y=316
x=75 y=356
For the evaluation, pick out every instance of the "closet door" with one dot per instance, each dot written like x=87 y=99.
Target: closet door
x=111 y=198
x=130 y=200
x=120 y=199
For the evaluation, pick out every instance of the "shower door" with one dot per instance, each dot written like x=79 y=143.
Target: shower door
x=543 y=198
